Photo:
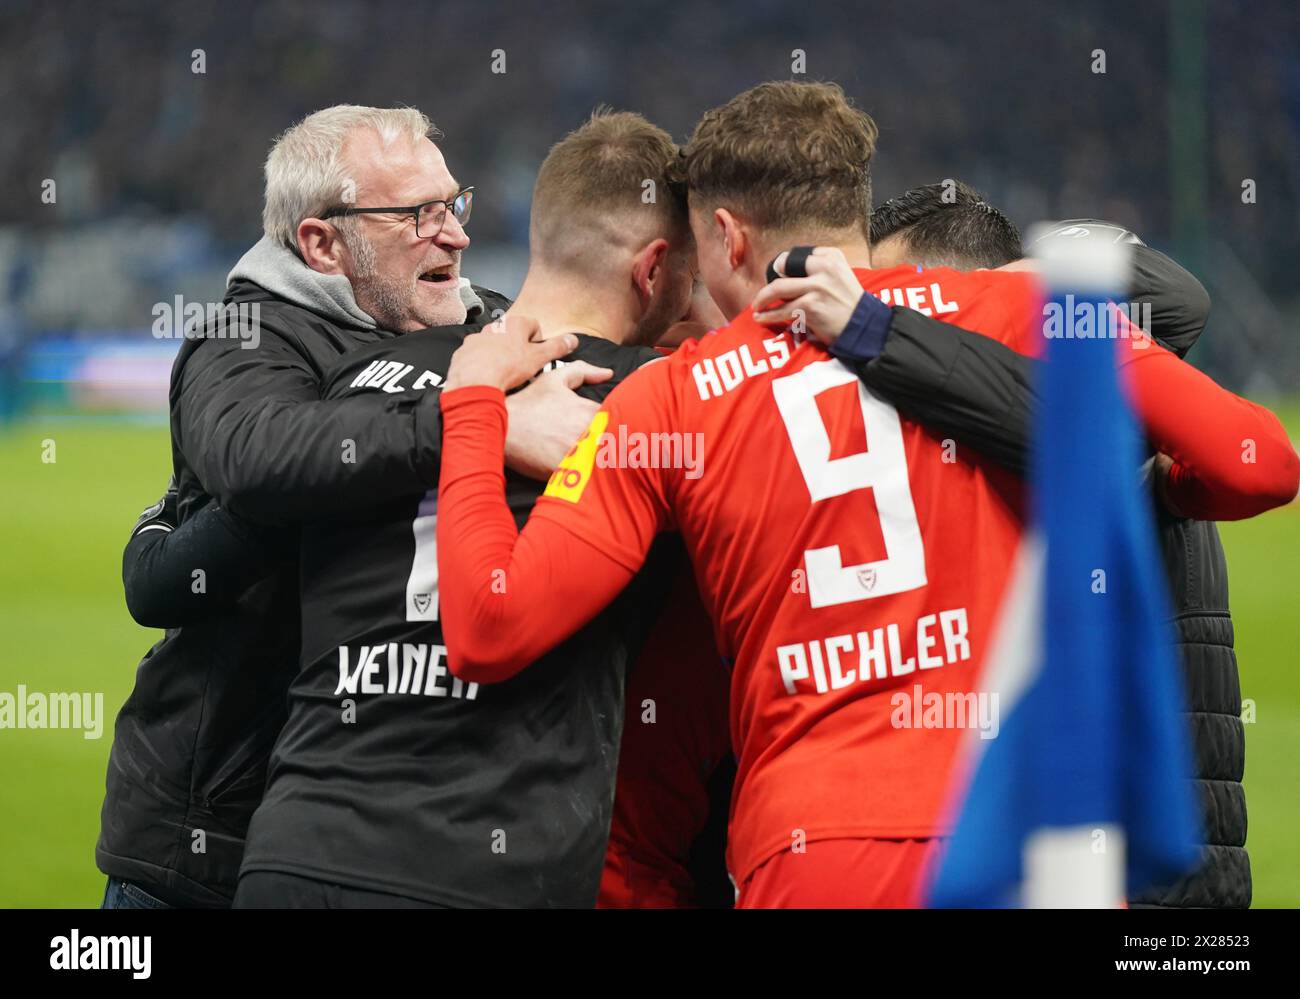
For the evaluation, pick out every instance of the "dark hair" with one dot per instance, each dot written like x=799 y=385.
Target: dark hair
x=948 y=225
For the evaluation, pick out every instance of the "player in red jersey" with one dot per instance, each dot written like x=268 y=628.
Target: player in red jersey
x=674 y=738
x=792 y=526
x=845 y=555
x=675 y=750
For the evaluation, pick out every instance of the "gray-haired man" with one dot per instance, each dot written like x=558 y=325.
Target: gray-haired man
x=364 y=228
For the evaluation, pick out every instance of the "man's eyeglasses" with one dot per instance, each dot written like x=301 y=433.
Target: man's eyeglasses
x=429 y=217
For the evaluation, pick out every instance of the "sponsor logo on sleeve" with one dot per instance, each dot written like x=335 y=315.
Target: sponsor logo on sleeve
x=569 y=480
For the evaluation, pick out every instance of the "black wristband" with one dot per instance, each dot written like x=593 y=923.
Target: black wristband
x=796 y=264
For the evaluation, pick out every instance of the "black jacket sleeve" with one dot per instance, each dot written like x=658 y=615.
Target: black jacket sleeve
x=253 y=429
x=175 y=575
x=980 y=392
x=960 y=384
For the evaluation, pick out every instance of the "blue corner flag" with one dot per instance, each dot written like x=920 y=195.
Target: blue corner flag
x=1083 y=798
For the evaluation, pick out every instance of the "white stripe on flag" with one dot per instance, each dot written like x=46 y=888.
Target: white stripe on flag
x=1015 y=655
x=1078 y=868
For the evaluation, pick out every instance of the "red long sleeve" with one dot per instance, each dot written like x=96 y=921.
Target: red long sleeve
x=505 y=597
x=1232 y=458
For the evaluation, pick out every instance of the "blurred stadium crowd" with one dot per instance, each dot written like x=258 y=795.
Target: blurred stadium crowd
x=158 y=167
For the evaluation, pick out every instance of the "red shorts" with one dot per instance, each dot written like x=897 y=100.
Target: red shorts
x=843 y=874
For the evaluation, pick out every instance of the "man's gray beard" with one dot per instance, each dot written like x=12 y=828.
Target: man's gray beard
x=390 y=302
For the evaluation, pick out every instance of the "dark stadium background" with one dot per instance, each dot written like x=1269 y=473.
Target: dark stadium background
x=158 y=180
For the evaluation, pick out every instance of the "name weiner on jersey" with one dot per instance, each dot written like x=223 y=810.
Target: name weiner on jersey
x=400 y=668
x=827 y=664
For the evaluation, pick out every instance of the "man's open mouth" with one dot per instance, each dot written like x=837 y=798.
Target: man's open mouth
x=439 y=275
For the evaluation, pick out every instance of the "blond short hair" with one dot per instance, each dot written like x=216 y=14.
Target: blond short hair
x=617 y=175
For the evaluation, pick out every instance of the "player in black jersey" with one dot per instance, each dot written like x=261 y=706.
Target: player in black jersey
x=393 y=782
x=391 y=775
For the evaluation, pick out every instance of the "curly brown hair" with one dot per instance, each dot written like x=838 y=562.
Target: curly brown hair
x=785 y=155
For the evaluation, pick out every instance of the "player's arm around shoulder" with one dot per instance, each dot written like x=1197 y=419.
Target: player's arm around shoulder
x=229 y=401
x=259 y=438
x=506 y=598
x=175 y=574
x=1232 y=458
x=975 y=386
x=617 y=482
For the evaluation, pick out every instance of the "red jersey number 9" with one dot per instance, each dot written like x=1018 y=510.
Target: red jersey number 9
x=882 y=469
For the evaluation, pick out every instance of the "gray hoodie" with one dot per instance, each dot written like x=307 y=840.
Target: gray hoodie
x=273 y=266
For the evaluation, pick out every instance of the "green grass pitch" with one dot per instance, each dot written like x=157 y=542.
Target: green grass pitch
x=66 y=628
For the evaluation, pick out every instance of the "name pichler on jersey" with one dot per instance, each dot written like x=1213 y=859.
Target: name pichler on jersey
x=826 y=664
